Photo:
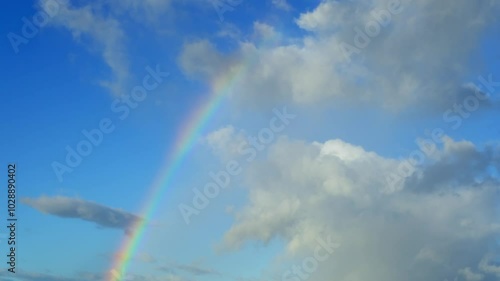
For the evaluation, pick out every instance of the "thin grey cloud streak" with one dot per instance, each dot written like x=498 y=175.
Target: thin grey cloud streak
x=80 y=276
x=27 y=276
x=101 y=215
x=191 y=269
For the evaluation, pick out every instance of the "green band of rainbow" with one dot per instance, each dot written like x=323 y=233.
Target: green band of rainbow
x=185 y=141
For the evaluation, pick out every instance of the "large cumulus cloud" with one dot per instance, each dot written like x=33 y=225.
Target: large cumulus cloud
x=435 y=225
x=422 y=56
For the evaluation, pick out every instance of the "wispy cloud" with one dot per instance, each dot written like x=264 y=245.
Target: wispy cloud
x=105 y=32
x=191 y=269
x=82 y=276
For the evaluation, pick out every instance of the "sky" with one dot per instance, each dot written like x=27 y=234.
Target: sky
x=179 y=140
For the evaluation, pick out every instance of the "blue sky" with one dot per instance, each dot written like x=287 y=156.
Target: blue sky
x=359 y=119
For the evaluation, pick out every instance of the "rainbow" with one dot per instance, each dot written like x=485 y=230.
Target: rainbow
x=184 y=142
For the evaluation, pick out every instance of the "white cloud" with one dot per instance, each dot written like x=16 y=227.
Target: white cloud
x=307 y=190
x=414 y=60
x=282 y=4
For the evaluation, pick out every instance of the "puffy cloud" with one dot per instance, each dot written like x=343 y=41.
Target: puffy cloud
x=412 y=60
x=66 y=207
x=458 y=163
x=303 y=191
